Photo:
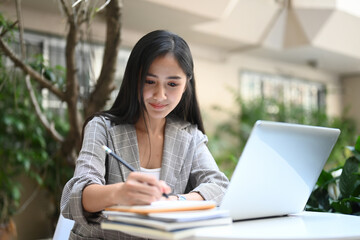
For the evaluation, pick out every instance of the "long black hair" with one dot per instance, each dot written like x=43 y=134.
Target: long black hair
x=128 y=106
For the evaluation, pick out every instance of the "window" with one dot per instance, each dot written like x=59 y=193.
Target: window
x=284 y=89
x=88 y=58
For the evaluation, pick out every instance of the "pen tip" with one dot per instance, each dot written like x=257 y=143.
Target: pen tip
x=107 y=150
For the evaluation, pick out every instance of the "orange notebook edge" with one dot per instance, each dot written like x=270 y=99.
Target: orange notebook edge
x=160 y=209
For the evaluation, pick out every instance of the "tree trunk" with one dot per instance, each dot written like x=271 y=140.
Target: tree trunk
x=104 y=85
x=71 y=145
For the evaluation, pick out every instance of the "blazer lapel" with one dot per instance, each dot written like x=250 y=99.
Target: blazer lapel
x=176 y=143
x=126 y=146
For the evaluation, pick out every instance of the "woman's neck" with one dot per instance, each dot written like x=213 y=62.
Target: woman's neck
x=152 y=127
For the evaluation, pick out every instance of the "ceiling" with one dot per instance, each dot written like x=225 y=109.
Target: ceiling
x=316 y=33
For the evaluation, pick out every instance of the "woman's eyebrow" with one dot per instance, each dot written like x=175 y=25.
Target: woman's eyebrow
x=175 y=77
x=151 y=75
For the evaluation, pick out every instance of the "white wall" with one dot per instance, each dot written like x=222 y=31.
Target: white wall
x=351 y=97
x=216 y=72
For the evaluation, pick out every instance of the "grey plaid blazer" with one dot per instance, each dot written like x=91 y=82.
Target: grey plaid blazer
x=187 y=165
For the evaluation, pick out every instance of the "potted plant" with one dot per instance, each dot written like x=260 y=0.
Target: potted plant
x=338 y=190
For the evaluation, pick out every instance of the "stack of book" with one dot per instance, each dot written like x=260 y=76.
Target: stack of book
x=165 y=219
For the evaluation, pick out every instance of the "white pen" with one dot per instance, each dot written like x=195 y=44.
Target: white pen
x=108 y=151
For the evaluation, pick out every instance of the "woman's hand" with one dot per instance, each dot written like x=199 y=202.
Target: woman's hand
x=141 y=189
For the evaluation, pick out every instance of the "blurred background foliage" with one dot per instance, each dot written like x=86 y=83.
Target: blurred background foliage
x=230 y=137
x=26 y=147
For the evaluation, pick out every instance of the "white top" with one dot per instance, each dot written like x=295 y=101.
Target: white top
x=155 y=171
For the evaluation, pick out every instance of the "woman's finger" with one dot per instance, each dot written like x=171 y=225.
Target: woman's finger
x=164 y=187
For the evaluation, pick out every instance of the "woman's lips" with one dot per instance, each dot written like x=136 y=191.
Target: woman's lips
x=158 y=106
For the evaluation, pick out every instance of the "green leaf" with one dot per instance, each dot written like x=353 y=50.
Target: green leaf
x=342 y=206
x=19 y=126
x=50 y=75
x=233 y=159
x=15 y=191
x=348 y=177
x=357 y=188
x=319 y=199
x=27 y=165
x=352 y=199
x=356 y=149
x=324 y=179
x=356 y=153
x=38 y=179
x=346 y=205
x=357 y=145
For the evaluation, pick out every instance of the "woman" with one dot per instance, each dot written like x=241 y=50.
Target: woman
x=155 y=125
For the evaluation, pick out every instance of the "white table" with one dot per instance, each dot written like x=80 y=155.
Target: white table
x=305 y=226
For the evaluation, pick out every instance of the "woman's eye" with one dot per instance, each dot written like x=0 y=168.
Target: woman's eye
x=171 y=84
x=149 y=82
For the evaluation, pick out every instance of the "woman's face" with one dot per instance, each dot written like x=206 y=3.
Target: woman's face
x=164 y=85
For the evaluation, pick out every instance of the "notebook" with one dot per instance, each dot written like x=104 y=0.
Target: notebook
x=164 y=206
x=277 y=169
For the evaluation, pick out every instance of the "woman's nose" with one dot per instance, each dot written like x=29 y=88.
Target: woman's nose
x=159 y=93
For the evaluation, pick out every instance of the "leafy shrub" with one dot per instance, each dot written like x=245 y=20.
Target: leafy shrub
x=339 y=192
x=26 y=147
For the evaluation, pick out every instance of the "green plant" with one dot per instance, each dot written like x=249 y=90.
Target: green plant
x=336 y=192
x=26 y=147
x=22 y=143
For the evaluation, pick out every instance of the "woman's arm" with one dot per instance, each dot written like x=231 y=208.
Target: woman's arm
x=206 y=178
x=139 y=189
x=194 y=196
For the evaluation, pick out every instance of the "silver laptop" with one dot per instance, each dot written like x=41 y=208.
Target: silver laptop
x=278 y=169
